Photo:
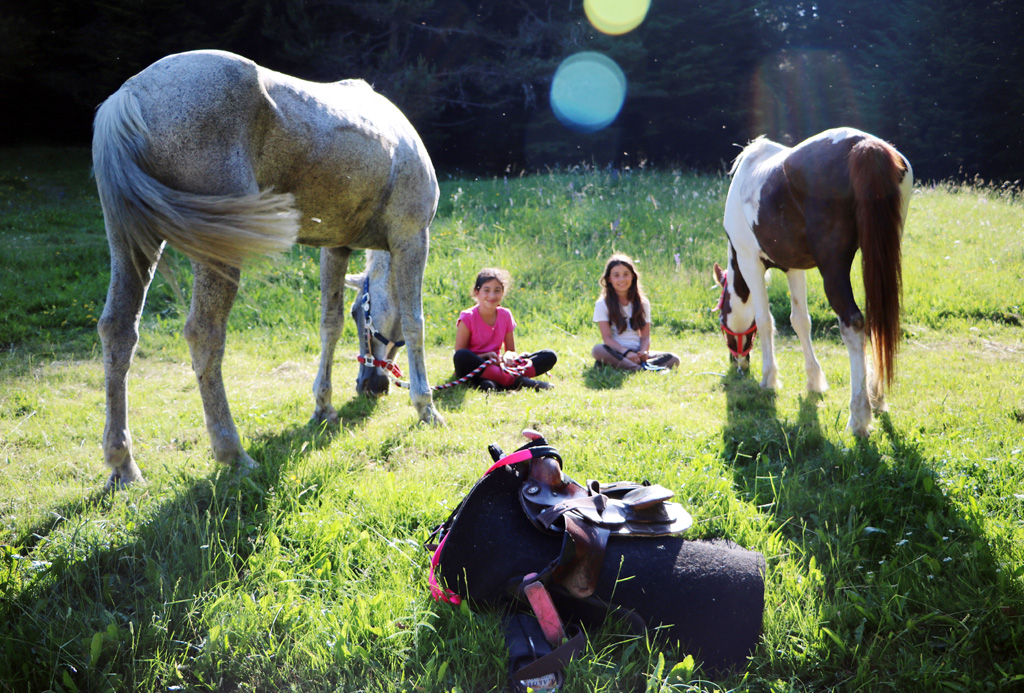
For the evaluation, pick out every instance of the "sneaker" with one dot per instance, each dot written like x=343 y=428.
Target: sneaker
x=523 y=381
x=486 y=385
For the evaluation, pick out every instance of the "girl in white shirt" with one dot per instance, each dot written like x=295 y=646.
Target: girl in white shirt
x=622 y=314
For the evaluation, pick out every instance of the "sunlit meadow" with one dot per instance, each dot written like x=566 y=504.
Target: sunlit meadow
x=894 y=563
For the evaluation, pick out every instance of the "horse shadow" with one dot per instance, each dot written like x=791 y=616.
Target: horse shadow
x=601 y=377
x=133 y=580
x=451 y=398
x=872 y=514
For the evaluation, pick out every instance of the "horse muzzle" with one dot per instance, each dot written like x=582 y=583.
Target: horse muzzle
x=374 y=383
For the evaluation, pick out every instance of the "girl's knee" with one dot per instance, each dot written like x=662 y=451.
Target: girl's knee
x=544 y=361
x=464 y=361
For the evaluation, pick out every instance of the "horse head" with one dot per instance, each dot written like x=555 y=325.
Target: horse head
x=378 y=324
x=736 y=316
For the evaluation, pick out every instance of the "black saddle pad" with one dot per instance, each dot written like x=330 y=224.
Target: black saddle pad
x=708 y=595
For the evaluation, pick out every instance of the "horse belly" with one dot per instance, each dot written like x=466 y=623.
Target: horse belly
x=339 y=190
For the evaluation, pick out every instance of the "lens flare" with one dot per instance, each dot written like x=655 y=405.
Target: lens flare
x=587 y=91
x=616 y=16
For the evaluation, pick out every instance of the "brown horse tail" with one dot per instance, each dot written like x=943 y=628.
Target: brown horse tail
x=141 y=212
x=876 y=170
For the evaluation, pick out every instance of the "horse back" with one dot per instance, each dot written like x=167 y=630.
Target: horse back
x=350 y=157
x=221 y=125
x=809 y=203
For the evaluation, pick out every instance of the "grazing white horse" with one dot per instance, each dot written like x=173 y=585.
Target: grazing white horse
x=814 y=205
x=224 y=159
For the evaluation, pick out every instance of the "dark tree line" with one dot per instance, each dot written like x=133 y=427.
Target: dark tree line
x=942 y=79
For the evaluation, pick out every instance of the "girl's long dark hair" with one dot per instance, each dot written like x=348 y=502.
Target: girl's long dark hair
x=611 y=299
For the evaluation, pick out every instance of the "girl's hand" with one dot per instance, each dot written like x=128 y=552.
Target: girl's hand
x=490 y=355
x=634 y=357
x=643 y=356
x=509 y=357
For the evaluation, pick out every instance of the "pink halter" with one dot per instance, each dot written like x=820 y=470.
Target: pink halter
x=740 y=351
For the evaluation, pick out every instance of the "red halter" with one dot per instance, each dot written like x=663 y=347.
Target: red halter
x=740 y=351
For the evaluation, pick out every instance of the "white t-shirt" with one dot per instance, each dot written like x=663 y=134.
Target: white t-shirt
x=630 y=339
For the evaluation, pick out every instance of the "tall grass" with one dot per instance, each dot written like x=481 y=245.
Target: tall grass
x=894 y=563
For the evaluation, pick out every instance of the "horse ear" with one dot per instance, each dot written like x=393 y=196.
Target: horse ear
x=718 y=274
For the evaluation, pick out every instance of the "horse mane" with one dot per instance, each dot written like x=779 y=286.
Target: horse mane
x=756 y=148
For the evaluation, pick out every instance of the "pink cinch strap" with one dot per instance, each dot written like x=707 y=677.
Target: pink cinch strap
x=517 y=456
x=441 y=594
x=545 y=611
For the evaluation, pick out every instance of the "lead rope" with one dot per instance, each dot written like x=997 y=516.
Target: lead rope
x=516 y=368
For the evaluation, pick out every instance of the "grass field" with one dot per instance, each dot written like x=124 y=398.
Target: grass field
x=895 y=563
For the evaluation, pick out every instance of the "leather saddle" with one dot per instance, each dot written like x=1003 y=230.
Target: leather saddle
x=588 y=515
x=528 y=534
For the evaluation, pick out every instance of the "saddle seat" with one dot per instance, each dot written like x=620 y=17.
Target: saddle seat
x=588 y=515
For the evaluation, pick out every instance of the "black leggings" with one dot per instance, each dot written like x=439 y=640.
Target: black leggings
x=466 y=362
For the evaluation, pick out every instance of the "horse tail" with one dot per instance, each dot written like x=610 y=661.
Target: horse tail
x=142 y=213
x=876 y=171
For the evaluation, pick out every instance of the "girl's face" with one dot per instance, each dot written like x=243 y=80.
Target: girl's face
x=621 y=278
x=490 y=294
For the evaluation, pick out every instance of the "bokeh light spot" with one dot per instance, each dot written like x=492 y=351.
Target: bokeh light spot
x=616 y=16
x=587 y=91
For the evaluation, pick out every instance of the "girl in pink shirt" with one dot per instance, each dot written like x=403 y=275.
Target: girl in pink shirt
x=485 y=332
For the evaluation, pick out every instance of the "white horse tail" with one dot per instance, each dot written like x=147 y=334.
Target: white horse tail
x=141 y=212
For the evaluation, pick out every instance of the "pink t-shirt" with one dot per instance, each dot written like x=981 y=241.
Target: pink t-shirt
x=484 y=338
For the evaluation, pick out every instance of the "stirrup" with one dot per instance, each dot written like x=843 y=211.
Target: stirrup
x=530 y=666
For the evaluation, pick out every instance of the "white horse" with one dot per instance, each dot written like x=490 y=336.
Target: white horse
x=224 y=159
x=814 y=205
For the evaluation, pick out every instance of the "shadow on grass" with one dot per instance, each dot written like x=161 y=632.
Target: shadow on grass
x=117 y=586
x=604 y=377
x=908 y=574
x=114 y=593
x=60 y=516
x=451 y=398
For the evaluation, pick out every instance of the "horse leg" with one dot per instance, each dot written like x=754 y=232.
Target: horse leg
x=876 y=392
x=119 y=331
x=408 y=260
x=333 y=265
x=800 y=317
x=836 y=279
x=213 y=294
x=860 y=408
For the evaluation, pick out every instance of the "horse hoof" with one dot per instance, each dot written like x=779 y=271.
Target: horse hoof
x=125 y=475
x=858 y=431
x=246 y=464
x=325 y=416
x=432 y=416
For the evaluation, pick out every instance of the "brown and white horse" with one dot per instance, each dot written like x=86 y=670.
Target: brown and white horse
x=814 y=205
x=224 y=159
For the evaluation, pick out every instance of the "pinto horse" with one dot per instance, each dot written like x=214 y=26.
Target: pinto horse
x=814 y=205
x=224 y=159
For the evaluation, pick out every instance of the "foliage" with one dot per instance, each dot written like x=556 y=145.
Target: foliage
x=893 y=563
x=940 y=78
